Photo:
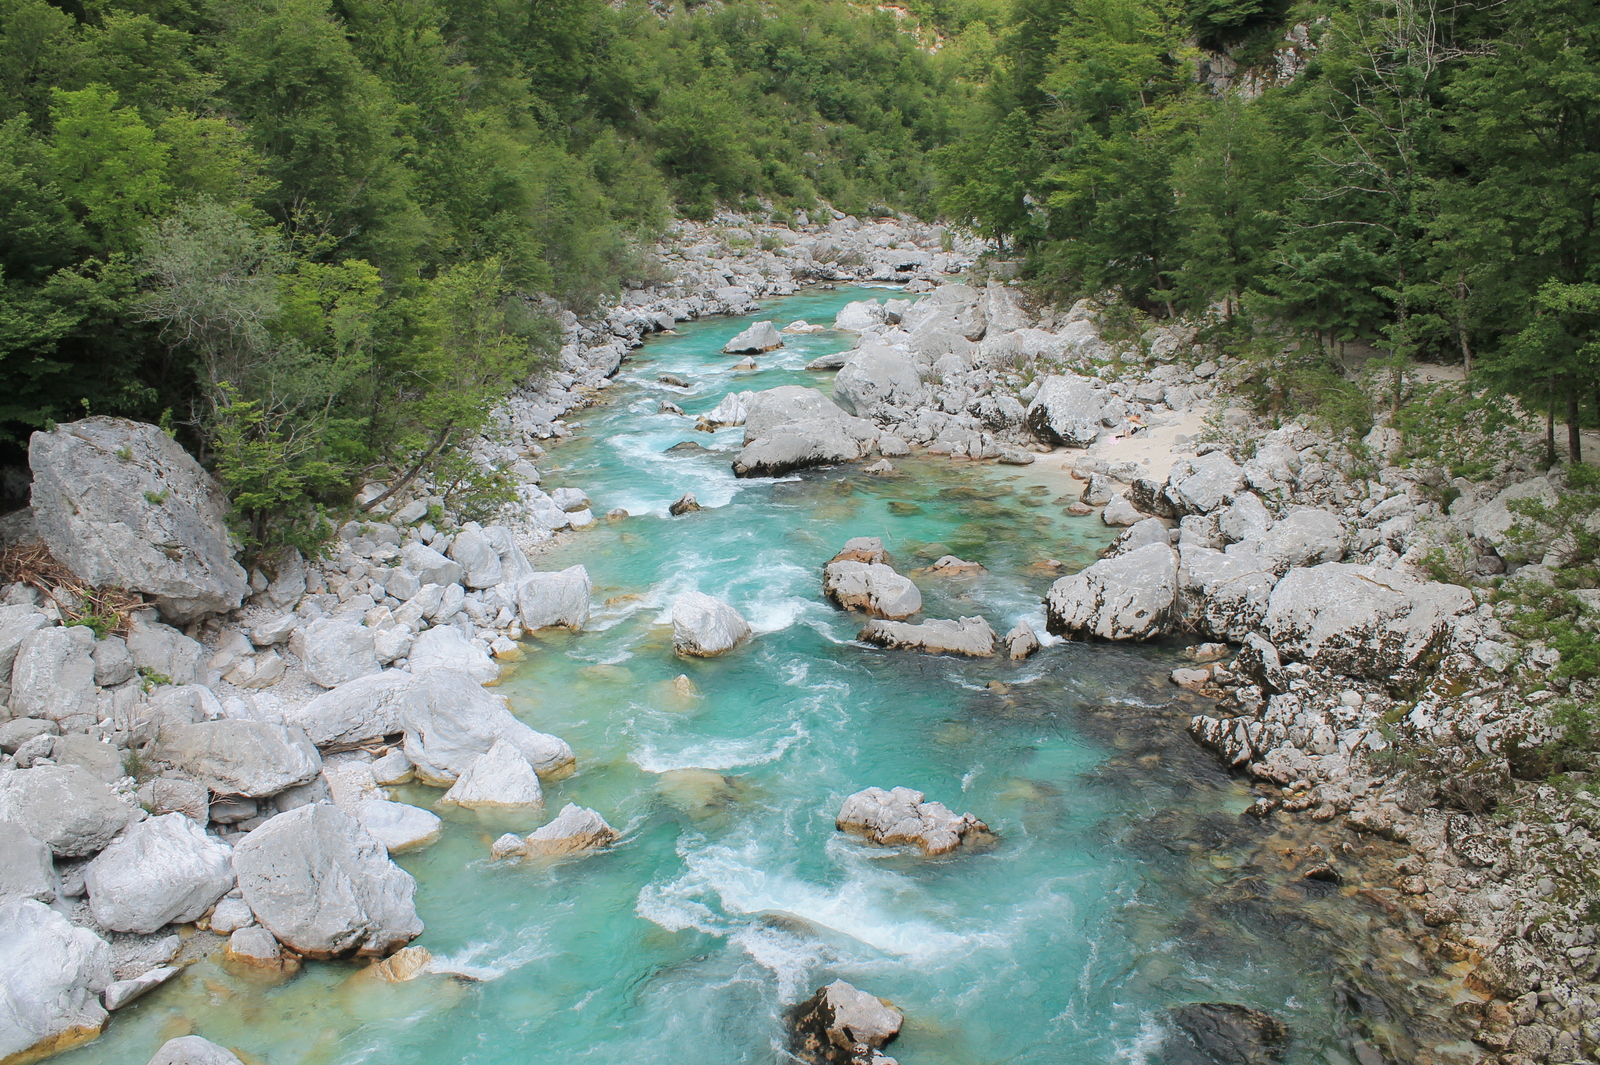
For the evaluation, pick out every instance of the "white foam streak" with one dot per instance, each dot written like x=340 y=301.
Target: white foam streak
x=720 y=754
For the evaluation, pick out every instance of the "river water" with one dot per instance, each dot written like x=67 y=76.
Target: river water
x=1112 y=895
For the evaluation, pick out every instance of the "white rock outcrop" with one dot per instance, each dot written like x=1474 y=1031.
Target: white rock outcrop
x=555 y=600
x=902 y=817
x=704 y=626
x=163 y=870
x=51 y=977
x=1129 y=597
x=872 y=588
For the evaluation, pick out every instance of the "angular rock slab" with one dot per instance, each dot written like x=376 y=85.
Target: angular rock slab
x=51 y=977
x=550 y=600
x=872 y=588
x=761 y=337
x=454 y=719
x=335 y=651
x=445 y=648
x=359 y=711
x=1130 y=597
x=878 y=375
x=498 y=783
x=575 y=828
x=901 y=817
x=53 y=675
x=120 y=503
x=163 y=870
x=704 y=626
x=324 y=887
x=1066 y=410
x=241 y=756
x=27 y=868
x=64 y=807
x=964 y=636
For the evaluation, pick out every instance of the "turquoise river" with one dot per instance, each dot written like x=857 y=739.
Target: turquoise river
x=1123 y=883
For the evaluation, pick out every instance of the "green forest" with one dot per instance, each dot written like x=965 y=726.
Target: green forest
x=311 y=236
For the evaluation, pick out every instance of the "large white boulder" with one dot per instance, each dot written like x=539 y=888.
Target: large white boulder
x=900 y=817
x=559 y=599
x=964 y=636
x=51 y=976
x=335 y=651
x=241 y=756
x=192 y=1050
x=848 y=1019
x=703 y=625
x=763 y=336
x=163 y=870
x=365 y=709
x=1066 y=410
x=455 y=720
x=324 y=886
x=53 y=676
x=120 y=503
x=870 y=587
x=64 y=807
x=27 y=868
x=429 y=566
x=859 y=316
x=478 y=558
x=731 y=410
x=1201 y=485
x=1129 y=597
x=499 y=783
x=445 y=648
x=876 y=376
x=790 y=427
x=1303 y=537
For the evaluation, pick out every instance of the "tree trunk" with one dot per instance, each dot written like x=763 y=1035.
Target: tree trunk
x=1574 y=428
x=1461 y=322
x=1550 y=426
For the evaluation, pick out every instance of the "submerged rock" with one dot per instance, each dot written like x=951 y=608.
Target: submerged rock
x=704 y=626
x=899 y=817
x=964 y=636
x=51 y=977
x=120 y=503
x=873 y=588
x=192 y=1050
x=843 y=1024
x=324 y=887
x=1220 y=1033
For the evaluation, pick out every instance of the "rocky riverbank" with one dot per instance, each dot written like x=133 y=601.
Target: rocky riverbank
x=213 y=746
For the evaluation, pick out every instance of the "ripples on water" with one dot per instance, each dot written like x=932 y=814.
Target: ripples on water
x=1118 y=888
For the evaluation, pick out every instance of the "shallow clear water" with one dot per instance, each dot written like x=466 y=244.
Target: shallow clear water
x=731 y=897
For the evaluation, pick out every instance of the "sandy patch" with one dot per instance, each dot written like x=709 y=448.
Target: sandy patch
x=1155 y=448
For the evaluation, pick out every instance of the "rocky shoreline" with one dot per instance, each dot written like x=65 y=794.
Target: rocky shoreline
x=216 y=752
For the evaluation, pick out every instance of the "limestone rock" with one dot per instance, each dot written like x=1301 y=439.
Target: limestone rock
x=454 y=720
x=445 y=648
x=126 y=992
x=1130 y=597
x=964 y=636
x=479 y=560
x=53 y=675
x=399 y=826
x=1021 y=641
x=104 y=760
x=1303 y=537
x=335 y=651
x=498 y=782
x=872 y=588
x=843 y=1018
x=192 y=1050
x=1066 y=410
x=241 y=756
x=574 y=829
x=875 y=376
x=429 y=566
x=902 y=817
x=858 y=316
x=360 y=711
x=162 y=651
x=51 y=977
x=791 y=427
x=112 y=663
x=324 y=887
x=763 y=336
x=230 y=915
x=27 y=868
x=685 y=504
x=1199 y=486
x=403 y=965
x=120 y=503
x=163 y=870
x=64 y=807
x=704 y=626
x=16 y=622
x=548 y=600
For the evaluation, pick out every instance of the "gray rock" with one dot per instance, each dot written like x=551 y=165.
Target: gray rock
x=1139 y=534
x=255 y=946
x=858 y=316
x=499 y=782
x=846 y=1019
x=120 y=503
x=126 y=992
x=27 y=868
x=901 y=817
x=574 y=829
x=1066 y=410
x=704 y=626
x=788 y=405
x=1245 y=519
x=64 y=807
x=104 y=760
x=445 y=648
x=393 y=768
x=1130 y=597
x=287 y=572
x=731 y=410
x=875 y=376
x=1120 y=512
x=16 y=622
x=112 y=663
x=873 y=588
x=560 y=599
x=230 y=915
x=241 y=757
x=1021 y=641
x=399 y=826
x=799 y=446
x=429 y=566
x=277 y=629
x=324 y=887
x=1097 y=493
x=51 y=977
x=1199 y=486
x=763 y=336
x=162 y=651
x=479 y=560
x=15 y=733
x=1492 y=520
x=401 y=584
x=455 y=719
x=1225 y=596
x=1361 y=620
x=570 y=499
x=965 y=636
x=54 y=674
x=186 y=797
x=685 y=504
x=1303 y=537
x=335 y=651
x=164 y=870
x=192 y=1050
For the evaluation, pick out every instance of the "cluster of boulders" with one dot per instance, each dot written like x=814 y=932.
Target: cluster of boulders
x=221 y=756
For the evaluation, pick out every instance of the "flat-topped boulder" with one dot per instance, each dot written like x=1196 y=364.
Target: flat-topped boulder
x=761 y=337
x=241 y=756
x=324 y=887
x=862 y=549
x=872 y=588
x=554 y=599
x=359 y=711
x=120 y=503
x=902 y=817
x=1129 y=597
x=704 y=626
x=963 y=636
x=790 y=428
